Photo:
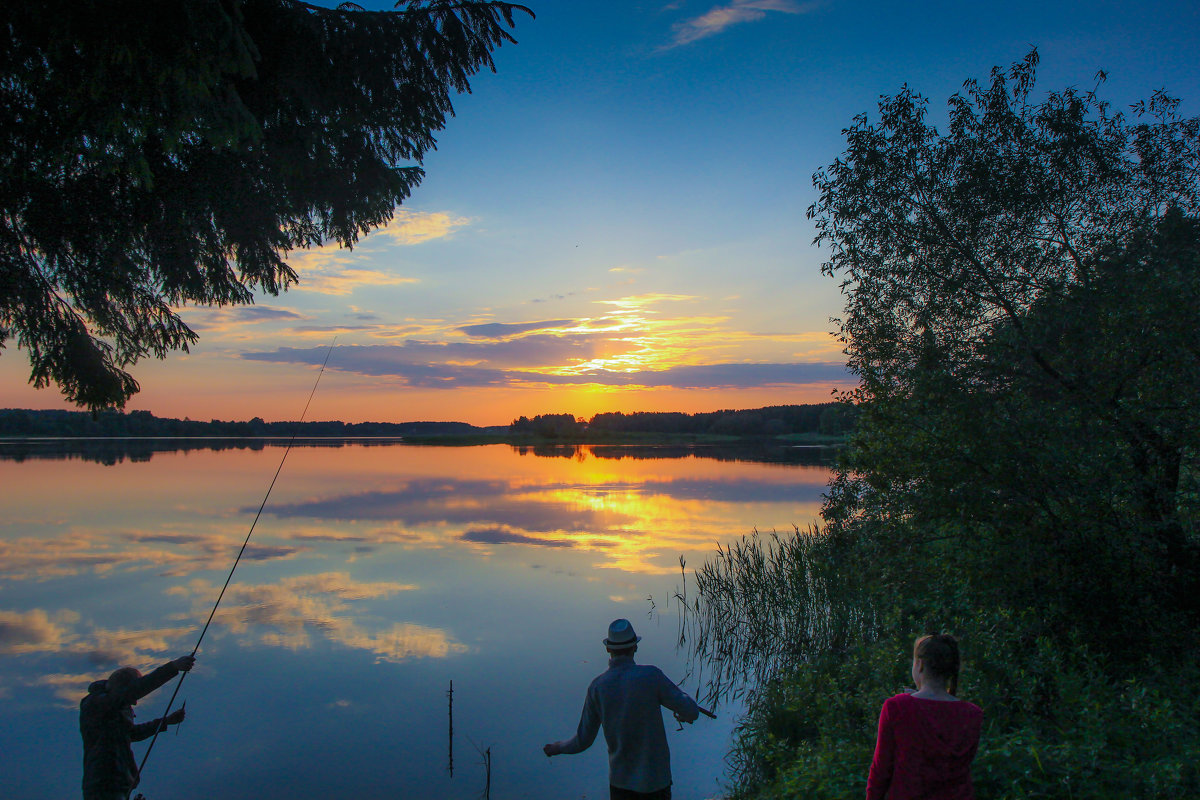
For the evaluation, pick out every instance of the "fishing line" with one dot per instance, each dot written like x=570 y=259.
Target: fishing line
x=261 y=506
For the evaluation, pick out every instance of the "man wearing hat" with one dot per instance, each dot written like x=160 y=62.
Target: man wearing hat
x=625 y=700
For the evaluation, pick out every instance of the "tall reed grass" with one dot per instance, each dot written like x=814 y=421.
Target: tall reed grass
x=767 y=603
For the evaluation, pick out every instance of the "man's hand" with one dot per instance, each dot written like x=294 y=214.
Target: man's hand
x=552 y=749
x=682 y=719
x=175 y=717
x=184 y=663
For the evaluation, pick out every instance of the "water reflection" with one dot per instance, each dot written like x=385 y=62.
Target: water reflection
x=114 y=451
x=292 y=611
x=376 y=575
x=117 y=450
x=99 y=551
x=755 y=452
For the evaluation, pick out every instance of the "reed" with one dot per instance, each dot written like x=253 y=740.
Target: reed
x=767 y=603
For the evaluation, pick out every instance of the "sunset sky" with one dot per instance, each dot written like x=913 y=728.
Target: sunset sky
x=616 y=219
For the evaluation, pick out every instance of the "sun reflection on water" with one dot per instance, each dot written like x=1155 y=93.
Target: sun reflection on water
x=421 y=562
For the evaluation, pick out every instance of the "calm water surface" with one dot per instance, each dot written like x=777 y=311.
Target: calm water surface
x=377 y=575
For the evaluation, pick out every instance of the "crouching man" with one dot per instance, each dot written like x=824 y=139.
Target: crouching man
x=106 y=724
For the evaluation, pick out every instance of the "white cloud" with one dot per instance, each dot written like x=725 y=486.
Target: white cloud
x=719 y=18
x=415 y=227
x=338 y=271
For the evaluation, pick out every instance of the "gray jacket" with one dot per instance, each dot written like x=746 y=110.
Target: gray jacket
x=626 y=700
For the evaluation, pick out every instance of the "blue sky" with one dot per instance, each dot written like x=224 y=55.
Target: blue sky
x=615 y=220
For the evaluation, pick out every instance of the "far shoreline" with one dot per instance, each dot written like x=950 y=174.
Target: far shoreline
x=632 y=439
x=811 y=425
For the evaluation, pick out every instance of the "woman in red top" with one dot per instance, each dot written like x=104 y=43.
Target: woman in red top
x=927 y=737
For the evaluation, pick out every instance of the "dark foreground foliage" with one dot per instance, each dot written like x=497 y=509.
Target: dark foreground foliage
x=816 y=639
x=154 y=155
x=1023 y=312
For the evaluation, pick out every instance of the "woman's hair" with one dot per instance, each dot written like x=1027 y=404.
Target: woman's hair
x=939 y=653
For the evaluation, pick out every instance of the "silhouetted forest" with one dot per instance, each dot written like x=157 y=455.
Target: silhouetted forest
x=22 y=422
x=824 y=419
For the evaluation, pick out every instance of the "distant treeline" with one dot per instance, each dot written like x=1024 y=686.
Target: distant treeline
x=826 y=419
x=823 y=419
x=22 y=422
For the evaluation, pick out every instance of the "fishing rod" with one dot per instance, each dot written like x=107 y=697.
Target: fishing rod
x=162 y=726
x=701 y=709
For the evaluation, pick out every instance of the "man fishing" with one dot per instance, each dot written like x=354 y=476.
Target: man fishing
x=625 y=700
x=106 y=724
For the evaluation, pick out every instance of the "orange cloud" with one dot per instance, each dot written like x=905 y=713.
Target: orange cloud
x=636 y=343
x=335 y=270
x=415 y=227
x=35 y=631
x=330 y=278
x=67 y=687
x=145 y=649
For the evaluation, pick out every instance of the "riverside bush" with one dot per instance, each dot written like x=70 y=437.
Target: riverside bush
x=1057 y=724
x=1023 y=316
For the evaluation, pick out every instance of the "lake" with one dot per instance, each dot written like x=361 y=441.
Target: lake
x=378 y=573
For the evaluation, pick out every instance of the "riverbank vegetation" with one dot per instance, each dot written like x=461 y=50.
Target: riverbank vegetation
x=1023 y=313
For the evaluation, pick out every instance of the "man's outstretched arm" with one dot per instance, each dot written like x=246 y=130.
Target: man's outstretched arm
x=585 y=734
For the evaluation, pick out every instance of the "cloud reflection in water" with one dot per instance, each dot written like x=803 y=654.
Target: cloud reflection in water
x=633 y=521
x=83 y=549
x=294 y=610
x=394 y=568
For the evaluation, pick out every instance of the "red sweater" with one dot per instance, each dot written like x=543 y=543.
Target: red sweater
x=924 y=750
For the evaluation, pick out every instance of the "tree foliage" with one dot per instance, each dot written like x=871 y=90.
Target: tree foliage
x=154 y=155
x=826 y=419
x=943 y=236
x=1023 y=312
x=550 y=426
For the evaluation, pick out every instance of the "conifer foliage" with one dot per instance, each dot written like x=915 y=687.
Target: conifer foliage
x=159 y=154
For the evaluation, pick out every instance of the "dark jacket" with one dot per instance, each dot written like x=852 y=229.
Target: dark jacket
x=107 y=726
